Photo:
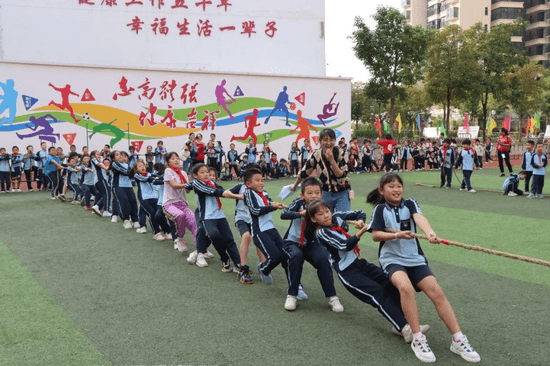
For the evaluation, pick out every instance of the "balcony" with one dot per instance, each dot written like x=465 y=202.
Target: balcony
x=536 y=41
x=539 y=24
x=406 y=3
x=537 y=58
x=537 y=8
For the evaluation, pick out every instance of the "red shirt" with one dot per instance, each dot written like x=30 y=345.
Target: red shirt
x=504 y=140
x=200 y=151
x=387 y=145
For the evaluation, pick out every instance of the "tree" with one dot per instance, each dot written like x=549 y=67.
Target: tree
x=357 y=101
x=393 y=53
x=497 y=55
x=414 y=101
x=451 y=70
x=524 y=90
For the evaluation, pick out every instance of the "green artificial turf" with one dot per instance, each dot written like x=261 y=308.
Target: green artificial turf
x=137 y=301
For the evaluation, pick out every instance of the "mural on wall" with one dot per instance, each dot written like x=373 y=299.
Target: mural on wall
x=132 y=107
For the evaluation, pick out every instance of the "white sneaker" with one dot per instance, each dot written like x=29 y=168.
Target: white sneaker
x=472 y=190
x=531 y=195
x=512 y=194
x=106 y=213
x=182 y=247
x=92 y=198
x=201 y=262
x=158 y=237
x=462 y=189
x=192 y=257
x=334 y=304
x=114 y=219
x=168 y=236
x=18 y=190
x=208 y=254
x=422 y=349
x=290 y=303
x=176 y=244
x=141 y=230
x=127 y=224
x=407 y=332
x=136 y=225
x=95 y=209
x=465 y=351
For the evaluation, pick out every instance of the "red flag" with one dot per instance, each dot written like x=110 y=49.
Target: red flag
x=377 y=125
x=466 y=124
x=69 y=137
x=528 y=126
x=316 y=140
x=506 y=123
x=137 y=145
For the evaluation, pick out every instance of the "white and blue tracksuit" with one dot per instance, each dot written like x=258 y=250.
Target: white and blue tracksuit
x=298 y=249
x=538 y=173
x=305 y=152
x=102 y=201
x=363 y=279
x=87 y=184
x=466 y=158
x=159 y=157
x=265 y=236
x=405 y=155
x=251 y=152
x=5 y=172
x=29 y=165
x=16 y=163
x=293 y=157
x=233 y=160
x=511 y=185
x=243 y=220
x=123 y=192
x=73 y=179
x=166 y=225
x=526 y=165
x=148 y=198
x=447 y=156
x=41 y=164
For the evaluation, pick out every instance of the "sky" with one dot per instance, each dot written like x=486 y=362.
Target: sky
x=339 y=18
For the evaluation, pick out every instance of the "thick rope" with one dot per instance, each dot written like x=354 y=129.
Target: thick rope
x=436 y=186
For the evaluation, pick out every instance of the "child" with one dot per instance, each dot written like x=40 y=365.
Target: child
x=41 y=180
x=133 y=157
x=4 y=171
x=87 y=183
x=479 y=153
x=405 y=155
x=212 y=217
x=488 y=148
x=160 y=153
x=148 y=197
x=274 y=165
x=251 y=151
x=538 y=162
x=149 y=158
x=233 y=159
x=368 y=157
x=447 y=156
x=282 y=169
x=29 y=167
x=16 y=160
x=306 y=150
x=51 y=165
x=387 y=144
x=526 y=163
x=165 y=226
x=415 y=154
x=300 y=249
x=243 y=222
x=406 y=266
x=105 y=153
x=266 y=237
x=211 y=155
x=364 y=280
x=433 y=162
x=395 y=160
x=243 y=166
x=123 y=192
x=293 y=157
x=226 y=172
x=511 y=184
x=175 y=203
x=102 y=201
x=73 y=177
x=467 y=158
x=60 y=174
x=262 y=165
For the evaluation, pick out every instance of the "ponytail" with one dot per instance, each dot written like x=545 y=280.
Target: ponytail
x=311 y=227
x=374 y=197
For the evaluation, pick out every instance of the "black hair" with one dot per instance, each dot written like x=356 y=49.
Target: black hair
x=112 y=154
x=131 y=147
x=2 y=148
x=84 y=147
x=523 y=172
x=531 y=142
x=93 y=153
x=374 y=197
x=366 y=140
x=388 y=136
x=124 y=153
x=477 y=140
x=310 y=226
x=505 y=131
x=28 y=147
x=134 y=168
x=50 y=149
x=108 y=146
x=467 y=142
x=15 y=147
x=169 y=156
x=160 y=142
x=197 y=167
x=327 y=132
x=159 y=167
x=73 y=146
x=73 y=155
x=447 y=141
x=250 y=172
x=311 y=181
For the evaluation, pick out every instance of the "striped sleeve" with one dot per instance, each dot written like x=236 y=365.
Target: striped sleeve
x=351 y=215
x=291 y=212
x=336 y=239
x=254 y=207
x=119 y=167
x=413 y=206
x=377 y=221
x=203 y=188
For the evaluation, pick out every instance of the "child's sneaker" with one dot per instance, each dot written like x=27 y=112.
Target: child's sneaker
x=141 y=230
x=512 y=194
x=290 y=303
x=531 y=195
x=168 y=236
x=114 y=219
x=540 y=196
x=422 y=349
x=472 y=190
x=95 y=209
x=106 y=213
x=201 y=262
x=244 y=275
x=182 y=247
x=334 y=304
x=136 y=225
x=62 y=197
x=127 y=224
x=407 y=332
x=464 y=349
x=227 y=267
x=267 y=279
x=208 y=254
x=192 y=257
x=301 y=294
x=176 y=244
x=158 y=237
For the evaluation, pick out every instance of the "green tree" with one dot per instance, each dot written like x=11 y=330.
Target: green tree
x=393 y=53
x=524 y=90
x=357 y=101
x=496 y=55
x=451 y=71
x=414 y=101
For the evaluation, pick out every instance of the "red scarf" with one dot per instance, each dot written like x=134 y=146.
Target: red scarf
x=264 y=198
x=209 y=183
x=144 y=174
x=180 y=174
x=340 y=230
x=302 y=239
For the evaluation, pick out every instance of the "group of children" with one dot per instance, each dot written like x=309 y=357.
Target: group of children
x=533 y=163
x=315 y=234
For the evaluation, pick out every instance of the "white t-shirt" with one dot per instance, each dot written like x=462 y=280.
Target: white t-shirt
x=172 y=195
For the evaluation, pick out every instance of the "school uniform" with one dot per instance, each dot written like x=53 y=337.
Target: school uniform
x=16 y=163
x=363 y=279
x=5 y=172
x=165 y=225
x=538 y=173
x=394 y=161
x=29 y=166
x=527 y=167
x=447 y=156
x=244 y=166
x=87 y=184
x=298 y=250
x=148 y=197
x=282 y=171
x=61 y=175
x=405 y=154
x=511 y=185
x=251 y=152
x=212 y=158
x=466 y=158
x=368 y=160
x=160 y=155
x=293 y=157
x=219 y=157
x=264 y=234
x=149 y=160
x=50 y=171
x=41 y=179
x=123 y=192
x=103 y=199
x=479 y=154
x=212 y=217
x=73 y=179
x=305 y=151
x=233 y=160
x=243 y=220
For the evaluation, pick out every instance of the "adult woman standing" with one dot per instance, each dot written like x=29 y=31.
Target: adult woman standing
x=201 y=147
x=332 y=164
x=504 y=144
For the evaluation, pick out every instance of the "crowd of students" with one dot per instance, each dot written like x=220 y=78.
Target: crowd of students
x=318 y=229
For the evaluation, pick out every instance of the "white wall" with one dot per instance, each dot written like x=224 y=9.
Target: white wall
x=64 y=32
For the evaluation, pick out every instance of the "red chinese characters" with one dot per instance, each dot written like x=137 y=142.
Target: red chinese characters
x=270 y=29
x=148 y=92
x=163 y=29
x=160 y=3
x=151 y=112
x=135 y=25
x=209 y=117
x=203 y=3
x=184 y=28
x=179 y=4
x=248 y=28
x=204 y=28
x=169 y=119
x=85 y=2
x=167 y=89
x=192 y=119
x=231 y=28
x=192 y=95
x=110 y=3
x=123 y=83
x=225 y=4
x=134 y=2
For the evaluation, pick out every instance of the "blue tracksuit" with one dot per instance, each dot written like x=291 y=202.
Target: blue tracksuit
x=511 y=184
x=447 y=165
x=123 y=192
x=466 y=158
x=251 y=152
x=526 y=165
x=5 y=172
x=148 y=197
x=538 y=173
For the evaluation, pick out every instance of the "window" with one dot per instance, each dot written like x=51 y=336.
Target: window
x=485 y=27
x=507 y=13
x=486 y=12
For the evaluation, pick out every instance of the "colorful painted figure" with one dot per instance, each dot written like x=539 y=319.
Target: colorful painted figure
x=327 y=110
x=220 y=91
x=304 y=126
x=9 y=101
x=250 y=122
x=280 y=105
x=65 y=93
x=46 y=133
x=109 y=129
